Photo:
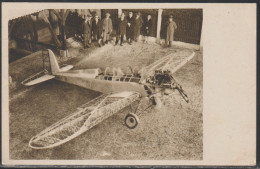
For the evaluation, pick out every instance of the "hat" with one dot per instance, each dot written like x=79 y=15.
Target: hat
x=138 y=13
x=107 y=14
x=131 y=12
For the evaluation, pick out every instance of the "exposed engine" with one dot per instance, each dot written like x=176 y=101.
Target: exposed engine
x=161 y=81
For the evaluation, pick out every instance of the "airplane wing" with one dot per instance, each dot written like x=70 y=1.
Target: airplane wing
x=171 y=62
x=84 y=118
x=176 y=62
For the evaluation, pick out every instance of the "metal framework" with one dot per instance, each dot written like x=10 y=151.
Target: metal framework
x=84 y=118
x=127 y=90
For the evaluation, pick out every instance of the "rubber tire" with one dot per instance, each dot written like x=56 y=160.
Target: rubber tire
x=134 y=117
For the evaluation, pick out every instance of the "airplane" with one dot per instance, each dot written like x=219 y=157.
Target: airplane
x=120 y=91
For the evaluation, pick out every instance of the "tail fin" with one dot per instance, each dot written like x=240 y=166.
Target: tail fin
x=45 y=75
x=55 y=68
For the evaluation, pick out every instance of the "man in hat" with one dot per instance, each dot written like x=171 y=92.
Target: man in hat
x=107 y=28
x=130 y=28
x=171 y=26
x=121 y=29
x=87 y=30
x=137 y=26
x=97 y=30
x=147 y=28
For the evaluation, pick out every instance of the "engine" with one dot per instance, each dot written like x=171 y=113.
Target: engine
x=163 y=81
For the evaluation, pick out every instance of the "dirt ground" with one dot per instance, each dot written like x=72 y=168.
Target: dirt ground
x=175 y=132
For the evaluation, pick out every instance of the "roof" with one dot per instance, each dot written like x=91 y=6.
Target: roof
x=21 y=13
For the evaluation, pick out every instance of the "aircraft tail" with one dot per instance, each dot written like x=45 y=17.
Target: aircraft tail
x=46 y=75
x=55 y=68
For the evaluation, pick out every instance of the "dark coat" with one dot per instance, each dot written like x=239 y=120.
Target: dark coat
x=171 y=26
x=96 y=28
x=147 y=27
x=121 y=28
x=86 y=27
x=138 y=24
x=131 y=22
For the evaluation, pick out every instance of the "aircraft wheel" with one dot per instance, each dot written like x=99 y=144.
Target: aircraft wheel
x=131 y=120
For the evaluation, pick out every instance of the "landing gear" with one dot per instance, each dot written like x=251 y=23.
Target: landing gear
x=131 y=120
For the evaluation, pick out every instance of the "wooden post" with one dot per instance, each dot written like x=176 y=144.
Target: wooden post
x=119 y=12
x=159 y=23
x=35 y=32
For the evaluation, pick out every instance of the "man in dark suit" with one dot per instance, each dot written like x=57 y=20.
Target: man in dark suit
x=87 y=30
x=147 y=28
x=130 y=28
x=137 y=26
x=121 y=29
x=97 y=30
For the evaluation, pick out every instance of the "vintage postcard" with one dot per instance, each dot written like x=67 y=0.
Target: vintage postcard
x=128 y=84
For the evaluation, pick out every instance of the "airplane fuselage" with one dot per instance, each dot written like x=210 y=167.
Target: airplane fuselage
x=104 y=85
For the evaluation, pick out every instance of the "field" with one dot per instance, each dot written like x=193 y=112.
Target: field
x=174 y=132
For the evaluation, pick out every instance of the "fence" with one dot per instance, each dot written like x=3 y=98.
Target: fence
x=188 y=21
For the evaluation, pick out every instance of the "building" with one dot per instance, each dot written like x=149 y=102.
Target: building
x=35 y=30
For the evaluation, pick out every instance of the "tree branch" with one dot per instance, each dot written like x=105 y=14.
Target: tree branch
x=44 y=17
x=56 y=13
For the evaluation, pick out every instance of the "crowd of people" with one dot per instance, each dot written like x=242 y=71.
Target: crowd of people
x=95 y=29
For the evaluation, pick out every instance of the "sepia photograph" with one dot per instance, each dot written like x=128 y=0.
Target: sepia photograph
x=122 y=84
x=88 y=84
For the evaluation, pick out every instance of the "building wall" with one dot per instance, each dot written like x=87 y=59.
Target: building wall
x=33 y=27
x=188 y=21
x=30 y=28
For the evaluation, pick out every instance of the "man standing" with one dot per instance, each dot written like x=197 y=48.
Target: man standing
x=86 y=31
x=121 y=29
x=107 y=28
x=147 y=28
x=97 y=31
x=129 y=28
x=137 y=26
x=171 y=26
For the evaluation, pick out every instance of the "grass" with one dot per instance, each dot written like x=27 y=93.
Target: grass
x=175 y=132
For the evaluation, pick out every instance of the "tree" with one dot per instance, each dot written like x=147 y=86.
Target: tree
x=62 y=16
